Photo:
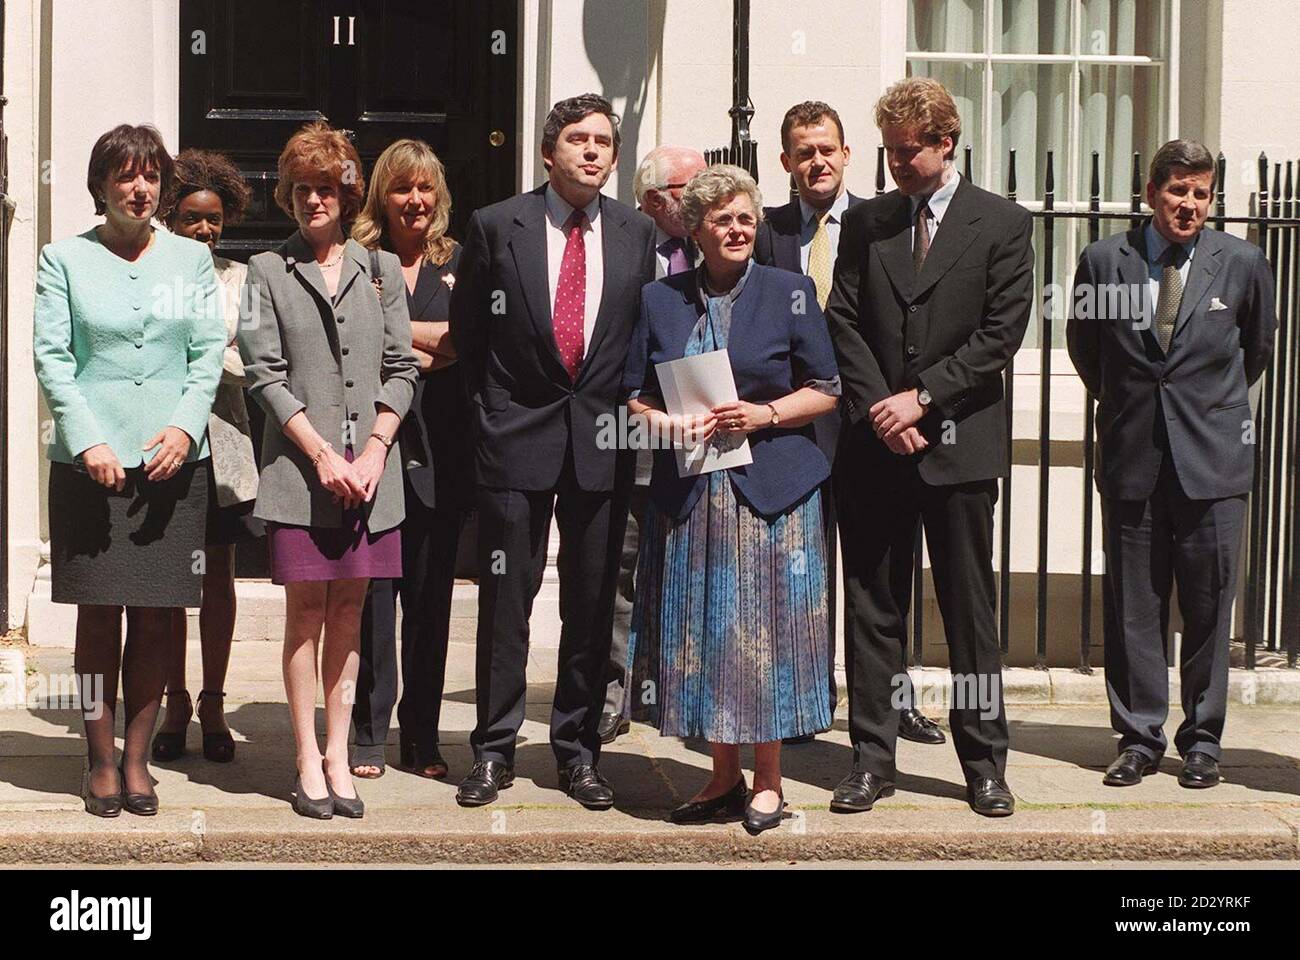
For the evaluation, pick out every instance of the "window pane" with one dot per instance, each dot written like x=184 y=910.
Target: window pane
x=945 y=26
x=1031 y=26
x=1119 y=113
x=1030 y=112
x=1122 y=28
x=965 y=81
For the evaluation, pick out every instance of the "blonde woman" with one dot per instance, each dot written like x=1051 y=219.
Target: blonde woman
x=406 y=213
x=328 y=356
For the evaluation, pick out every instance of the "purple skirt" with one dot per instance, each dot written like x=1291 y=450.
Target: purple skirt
x=333 y=553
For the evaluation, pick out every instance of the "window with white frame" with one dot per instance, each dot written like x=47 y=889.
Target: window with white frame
x=1070 y=76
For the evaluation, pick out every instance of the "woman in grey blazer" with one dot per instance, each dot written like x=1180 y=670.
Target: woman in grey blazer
x=327 y=352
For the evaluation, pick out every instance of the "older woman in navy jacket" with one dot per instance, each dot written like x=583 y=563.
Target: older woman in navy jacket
x=729 y=632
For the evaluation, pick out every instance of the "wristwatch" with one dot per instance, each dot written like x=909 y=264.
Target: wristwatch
x=776 y=417
x=386 y=441
x=923 y=397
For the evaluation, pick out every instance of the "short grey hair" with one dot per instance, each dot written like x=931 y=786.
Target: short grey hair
x=657 y=169
x=1190 y=154
x=715 y=185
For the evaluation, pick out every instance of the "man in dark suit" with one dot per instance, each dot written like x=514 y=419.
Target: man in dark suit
x=803 y=236
x=541 y=314
x=1170 y=325
x=931 y=299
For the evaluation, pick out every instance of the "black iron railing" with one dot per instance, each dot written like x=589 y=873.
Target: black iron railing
x=1271 y=605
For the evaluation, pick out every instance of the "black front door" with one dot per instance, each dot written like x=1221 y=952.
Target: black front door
x=443 y=71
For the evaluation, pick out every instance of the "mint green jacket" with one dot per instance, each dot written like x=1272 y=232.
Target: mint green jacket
x=125 y=349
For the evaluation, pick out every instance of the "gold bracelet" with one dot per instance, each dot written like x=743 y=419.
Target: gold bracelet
x=321 y=452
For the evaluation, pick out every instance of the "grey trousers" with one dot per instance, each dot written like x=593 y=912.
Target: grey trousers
x=1151 y=544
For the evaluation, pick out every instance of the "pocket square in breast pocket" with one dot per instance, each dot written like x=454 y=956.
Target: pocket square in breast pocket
x=1217 y=304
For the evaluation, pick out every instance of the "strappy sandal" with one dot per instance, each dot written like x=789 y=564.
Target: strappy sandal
x=170 y=745
x=219 y=746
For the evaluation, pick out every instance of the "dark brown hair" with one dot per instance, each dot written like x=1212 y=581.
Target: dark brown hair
x=315 y=150
x=575 y=110
x=1192 y=154
x=125 y=148
x=807 y=114
x=198 y=170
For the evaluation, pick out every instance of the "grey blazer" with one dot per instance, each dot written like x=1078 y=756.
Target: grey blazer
x=338 y=361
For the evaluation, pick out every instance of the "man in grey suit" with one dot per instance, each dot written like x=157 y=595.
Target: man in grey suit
x=1170 y=324
x=658 y=188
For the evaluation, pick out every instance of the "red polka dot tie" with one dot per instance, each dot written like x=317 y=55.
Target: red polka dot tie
x=571 y=295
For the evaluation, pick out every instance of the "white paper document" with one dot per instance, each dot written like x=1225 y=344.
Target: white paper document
x=695 y=385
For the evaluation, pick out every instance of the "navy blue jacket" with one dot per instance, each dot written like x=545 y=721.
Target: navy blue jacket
x=774 y=349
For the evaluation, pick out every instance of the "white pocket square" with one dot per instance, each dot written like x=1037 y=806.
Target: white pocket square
x=1217 y=304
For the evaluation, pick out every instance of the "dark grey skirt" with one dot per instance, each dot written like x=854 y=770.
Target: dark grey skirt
x=138 y=548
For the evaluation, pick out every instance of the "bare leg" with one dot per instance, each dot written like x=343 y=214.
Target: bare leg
x=767 y=777
x=726 y=771
x=150 y=636
x=303 y=619
x=96 y=660
x=339 y=673
x=217 y=630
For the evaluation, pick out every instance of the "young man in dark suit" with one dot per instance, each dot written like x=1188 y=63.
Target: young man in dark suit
x=541 y=314
x=1170 y=325
x=803 y=236
x=931 y=299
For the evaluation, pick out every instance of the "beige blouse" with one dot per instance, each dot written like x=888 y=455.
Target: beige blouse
x=234 y=468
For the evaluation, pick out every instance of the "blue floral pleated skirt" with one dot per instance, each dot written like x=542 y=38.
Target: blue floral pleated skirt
x=729 y=627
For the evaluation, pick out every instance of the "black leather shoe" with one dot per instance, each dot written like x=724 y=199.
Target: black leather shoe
x=583 y=782
x=859 y=791
x=141 y=804
x=109 y=806
x=611 y=727
x=756 y=821
x=486 y=778
x=1129 y=768
x=1199 y=770
x=915 y=726
x=990 y=798
x=729 y=804
x=311 y=807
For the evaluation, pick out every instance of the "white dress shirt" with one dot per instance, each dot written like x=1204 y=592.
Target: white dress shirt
x=808 y=227
x=938 y=201
x=557 y=213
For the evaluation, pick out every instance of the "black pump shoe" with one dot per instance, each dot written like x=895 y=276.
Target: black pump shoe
x=141 y=804
x=756 y=821
x=730 y=804
x=305 y=806
x=110 y=806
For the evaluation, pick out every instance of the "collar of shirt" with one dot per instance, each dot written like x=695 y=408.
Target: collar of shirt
x=661 y=238
x=810 y=213
x=558 y=209
x=938 y=200
x=1157 y=245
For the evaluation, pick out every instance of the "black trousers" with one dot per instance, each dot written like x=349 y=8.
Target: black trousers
x=878 y=512
x=1149 y=545
x=429 y=542
x=514 y=526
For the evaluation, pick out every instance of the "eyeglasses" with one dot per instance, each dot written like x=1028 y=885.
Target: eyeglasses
x=746 y=221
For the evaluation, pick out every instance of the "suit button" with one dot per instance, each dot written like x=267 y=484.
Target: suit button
x=1164 y=381
x=352 y=416
x=135 y=275
x=345 y=351
x=912 y=309
x=139 y=344
x=911 y=349
x=139 y=381
x=347 y=383
x=340 y=319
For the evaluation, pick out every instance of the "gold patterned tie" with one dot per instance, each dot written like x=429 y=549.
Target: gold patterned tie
x=819 y=259
x=1170 y=297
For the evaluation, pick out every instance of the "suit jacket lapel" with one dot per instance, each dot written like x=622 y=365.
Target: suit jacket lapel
x=300 y=257
x=1205 y=264
x=896 y=251
x=786 y=236
x=426 y=287
x=617 y=254
x=951 y=239
x=356 y=262
x=528 y=247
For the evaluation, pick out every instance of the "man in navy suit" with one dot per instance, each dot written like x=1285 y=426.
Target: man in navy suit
x=1170 y=361
x=541 y=315
x=803 y=236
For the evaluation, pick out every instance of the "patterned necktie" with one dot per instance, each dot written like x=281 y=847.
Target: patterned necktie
x=921 y=236
x=1170 y=297
x=570 y=296
x=819 y=259
x=674 y=248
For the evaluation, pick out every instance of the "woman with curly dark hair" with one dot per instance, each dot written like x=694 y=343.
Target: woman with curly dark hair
x=206 y=194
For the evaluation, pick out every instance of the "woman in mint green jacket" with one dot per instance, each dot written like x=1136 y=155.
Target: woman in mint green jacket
x=128 y=346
